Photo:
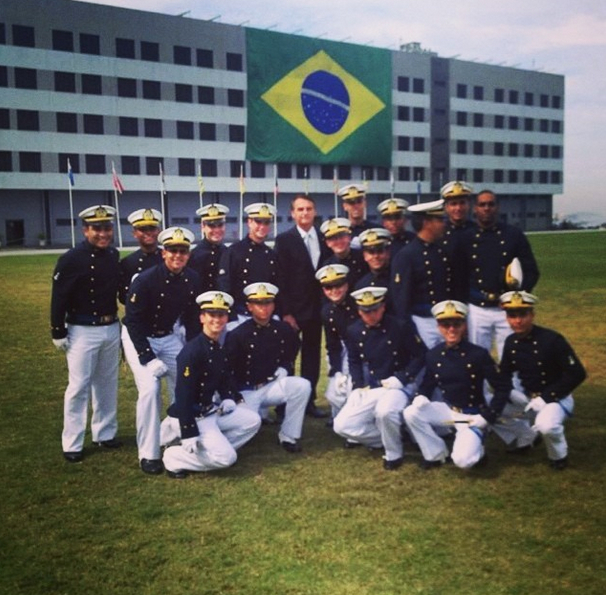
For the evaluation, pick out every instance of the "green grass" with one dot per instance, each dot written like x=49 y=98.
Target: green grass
x=329 y=521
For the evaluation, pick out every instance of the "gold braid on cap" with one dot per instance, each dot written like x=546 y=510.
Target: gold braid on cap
x=218 y=301
x=101 y=212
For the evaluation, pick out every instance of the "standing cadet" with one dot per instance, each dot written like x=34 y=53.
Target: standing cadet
x=490 y=248
x=84 y=323
x=421 y=275
x=338 y=312
x=300 y=251
x=385 y=356
x=353 y=200
x=337 y=234
x=250 y=260
x=376 y=251
x=213 y=421
x=146 y=227
x=393 y=218
x=458 y=369
x=205 y=257
x=157 y=299
x=262 y=354
x=547 y=370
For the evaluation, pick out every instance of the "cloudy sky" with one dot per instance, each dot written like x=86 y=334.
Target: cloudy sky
x=556 y=36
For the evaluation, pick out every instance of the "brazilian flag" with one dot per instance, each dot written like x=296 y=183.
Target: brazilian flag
x=317 y=101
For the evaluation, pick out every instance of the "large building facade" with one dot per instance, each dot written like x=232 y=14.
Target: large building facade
x=99 y=86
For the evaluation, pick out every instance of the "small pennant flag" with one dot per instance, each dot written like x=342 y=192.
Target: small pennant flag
x=70 y=174
x=116 y=181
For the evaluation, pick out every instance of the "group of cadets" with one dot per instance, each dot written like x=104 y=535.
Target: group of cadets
x=410 y=320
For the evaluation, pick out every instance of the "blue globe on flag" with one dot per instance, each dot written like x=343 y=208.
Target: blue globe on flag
x=325 y=101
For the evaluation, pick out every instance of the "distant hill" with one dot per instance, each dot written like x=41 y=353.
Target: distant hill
x=583 y=219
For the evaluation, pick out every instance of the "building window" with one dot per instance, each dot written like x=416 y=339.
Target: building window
x=514 y=149
x=30 y=162
x=528 y=176
x=284 y=170
x=419 y=174
x=499 y=149
x=152 y=165
x=152 y=127
x=544 y=100
x=236 y=133
x=6 y=161
x=478 y=93
x=556 y=126
x=418 y=86
x=556 y=177
x=403 y=113
x=2 y=34
x=183 y=93
x=302 y=171
x=461 y=118
x=28 y=119
x=234 y=62
x=65 y=82
x=95 y=164
x=125 y=48
x=367 y=173
x=544 y=125
x=326 y=172
x=74 y=161
x=556 y=152
x=204 y=58
x=344 y=172
x=182 y=55
x=236 y=168
x=67 y=122
x=461 y=91
x=404 y=174
x=128 y=126
x=3 y=76
x=478 y=175
x=499 y=122
x=478 y=147
x=514 y=97
x=512 y=176
x=556 y=102
x=206 y=95
x=91 y=84
x=403 y=143
x=403 y=84
x=89 y=44
x=478 y=120
x=235 y=98
x=528 y=150
x=499 y=176
x=151 y=90
x=499 y=95
x=63 y=41
x=5 y=120
x=528 y=124
x=185 y=130
x=150 y=51
x=257 y=169
x=127 y=87
x=208 y=131
x=187 y=167
x=418 y=114
x=418 y=144
x=461 y=174
x=93 y=124
x=382 y=173
x=543 y=151
x=209 y=167
x=26 y=78
x=24 y=36
x=462 y=147
x=514 y=123
x=528 y=98
x=131 y=165
x=543 y=177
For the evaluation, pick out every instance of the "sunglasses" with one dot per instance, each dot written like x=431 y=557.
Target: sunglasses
x=261 y=221
x=101 y=226
x=450 y=323
x=177 y=250
x=214 y=224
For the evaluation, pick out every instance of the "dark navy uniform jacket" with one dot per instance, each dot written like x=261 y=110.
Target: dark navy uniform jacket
x=392 y=348
x=156 y=299
x=205 y=259
x=243 y=263
x=545 y=362
x=356 y=230
x=421 y=277
x=256 y=352
x=454 y=245
x=202 y=369
x=133 y=264
x=85 y=286
x=459 y=372
x=488 y=252
x=375 y=279
x=336 y=318
x=356 y=263
x=400 y=240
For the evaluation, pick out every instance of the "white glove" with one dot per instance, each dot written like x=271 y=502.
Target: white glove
x=518 y=398
x=420 y=401
x=477 y=421
x=191 y=445
x=535 y=405
x=280 y=373
x=341 y=383
x=227 y=406
x=157 y=367
x=61 y=344
x=392 y=382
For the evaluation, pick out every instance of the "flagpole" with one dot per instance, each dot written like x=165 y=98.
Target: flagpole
x=392 y=182
x=70 y=178
x=162 y=193
x=276 y=199
x=117 y=202
x=418 y=189
x=200 y=185
x=240 y=226
x=306 y=181
x=365 y=184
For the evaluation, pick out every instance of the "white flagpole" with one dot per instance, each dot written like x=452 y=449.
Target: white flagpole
x=71 y=202
x=240 y=226
x=200 y=185
x=117 y=202
x=162 y=193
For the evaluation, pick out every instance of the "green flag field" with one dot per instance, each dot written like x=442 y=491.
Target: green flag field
x=328 y=521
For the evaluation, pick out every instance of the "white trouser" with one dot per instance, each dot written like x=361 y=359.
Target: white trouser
x=337 y=397
x=149 y=401
x=92 y=362
x=373 y=417
x=487 y=324
x=293 y=391
x=427 y=327
x=468 y=447
x=220 y=437
x=550 y=423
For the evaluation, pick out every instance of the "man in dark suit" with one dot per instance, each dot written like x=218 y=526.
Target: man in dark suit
x=301 y=250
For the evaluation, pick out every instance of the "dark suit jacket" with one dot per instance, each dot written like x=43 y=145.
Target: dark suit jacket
x=300 y=290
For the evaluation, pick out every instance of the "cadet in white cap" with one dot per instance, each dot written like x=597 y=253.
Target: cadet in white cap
x=394 y=218
x=338 y=312
x=353 y=199
x=209 y=414
x=157 y=299
x=385 y=356
x=421 y=271
x=206 y=256
x=262 y=353
x=376 y=250
x=146 y=227
x=548 y=371
x=84 y=323
x=457 y=369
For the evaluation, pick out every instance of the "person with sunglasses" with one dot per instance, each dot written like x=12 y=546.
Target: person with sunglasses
x=393 y=213
x=376 y=250
x=353 y=200
x=84 y=324
x=156 y=300
x=457 y=369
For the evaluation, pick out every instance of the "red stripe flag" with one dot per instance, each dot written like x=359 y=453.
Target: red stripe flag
x=116 y=181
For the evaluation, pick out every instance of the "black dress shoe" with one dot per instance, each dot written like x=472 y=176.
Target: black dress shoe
x=427 y=465
x=349 y=444
x=559 y=464
x=152 y=466
x=393 y=464
x=111 y=443
x=313 y=411
x=182 y=474
x=291 y=446
x=73 y=457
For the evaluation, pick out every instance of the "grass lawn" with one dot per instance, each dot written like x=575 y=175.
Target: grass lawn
x=329 y=521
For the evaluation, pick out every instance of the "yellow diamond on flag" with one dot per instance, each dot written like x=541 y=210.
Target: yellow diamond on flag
x=323 y=101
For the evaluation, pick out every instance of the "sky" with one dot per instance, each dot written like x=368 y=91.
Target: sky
x=555 y=36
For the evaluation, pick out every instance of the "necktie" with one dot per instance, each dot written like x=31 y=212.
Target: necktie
x=311 y=249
